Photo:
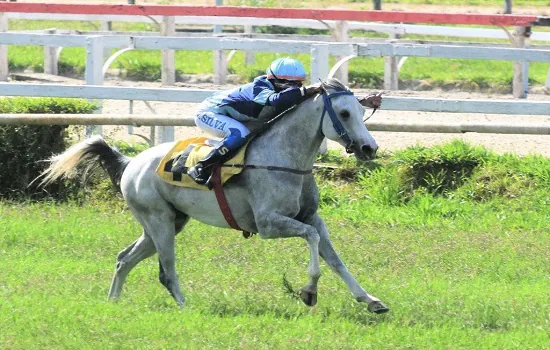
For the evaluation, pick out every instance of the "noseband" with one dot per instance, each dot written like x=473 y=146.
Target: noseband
x=338 y=127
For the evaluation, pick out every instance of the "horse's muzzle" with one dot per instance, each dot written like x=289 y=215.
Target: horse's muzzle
x=365 y=152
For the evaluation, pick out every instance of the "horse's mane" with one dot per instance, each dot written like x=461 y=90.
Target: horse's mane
x=335 y=84
x=330 y=83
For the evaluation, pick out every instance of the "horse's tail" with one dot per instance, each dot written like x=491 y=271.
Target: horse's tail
x=87 y=153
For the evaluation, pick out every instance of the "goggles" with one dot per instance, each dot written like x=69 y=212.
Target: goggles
x=285 y=84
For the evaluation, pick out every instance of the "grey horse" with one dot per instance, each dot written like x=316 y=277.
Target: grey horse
x=276 y=196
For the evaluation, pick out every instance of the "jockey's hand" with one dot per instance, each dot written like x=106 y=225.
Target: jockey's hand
x=373 y=100
x=312 y=90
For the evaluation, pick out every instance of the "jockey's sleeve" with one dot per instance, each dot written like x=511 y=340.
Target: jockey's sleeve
x=286 y=98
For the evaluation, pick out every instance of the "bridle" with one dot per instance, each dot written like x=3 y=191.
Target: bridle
x=216 y=178
x=338 y=127
x=335 y=122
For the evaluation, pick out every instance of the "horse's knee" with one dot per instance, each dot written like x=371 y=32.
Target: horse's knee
x=121 y=255
x=121 y=267
x=313 y=237
x=125 y=251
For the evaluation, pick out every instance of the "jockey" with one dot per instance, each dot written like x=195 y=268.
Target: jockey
x=223 y=113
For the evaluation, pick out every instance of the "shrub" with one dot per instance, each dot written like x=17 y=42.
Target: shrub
x=23 y=146
x=130 y=149
x=439 y=169
x=142 y=69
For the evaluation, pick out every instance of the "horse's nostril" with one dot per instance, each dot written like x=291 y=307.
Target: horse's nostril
x=366 y=149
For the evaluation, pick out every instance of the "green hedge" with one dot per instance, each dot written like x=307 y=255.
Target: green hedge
x=23 y=147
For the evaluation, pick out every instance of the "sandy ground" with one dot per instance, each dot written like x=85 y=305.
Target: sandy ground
x=388 y=141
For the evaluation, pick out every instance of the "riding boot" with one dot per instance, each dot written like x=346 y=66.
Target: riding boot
x=202 y=171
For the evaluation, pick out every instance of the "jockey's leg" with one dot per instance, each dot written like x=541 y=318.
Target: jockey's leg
x=233 y=133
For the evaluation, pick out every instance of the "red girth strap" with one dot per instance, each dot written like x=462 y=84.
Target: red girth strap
x=222 y=201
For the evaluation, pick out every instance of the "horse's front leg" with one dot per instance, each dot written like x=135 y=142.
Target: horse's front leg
x=275 y=225
x=333 y=260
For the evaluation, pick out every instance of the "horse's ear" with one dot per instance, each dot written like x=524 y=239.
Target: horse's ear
x=371 y=100
x=362 y=100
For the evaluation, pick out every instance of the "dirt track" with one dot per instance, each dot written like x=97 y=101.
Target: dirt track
x=519 y=144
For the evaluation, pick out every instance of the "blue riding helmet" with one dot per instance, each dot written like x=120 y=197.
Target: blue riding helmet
x=286 y=69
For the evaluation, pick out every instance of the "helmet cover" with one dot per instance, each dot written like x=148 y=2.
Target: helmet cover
x=286 y=69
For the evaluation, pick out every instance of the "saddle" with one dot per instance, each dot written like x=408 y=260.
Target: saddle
x=193 y=150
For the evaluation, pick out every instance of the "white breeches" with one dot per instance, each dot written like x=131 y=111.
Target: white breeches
x=220 y=125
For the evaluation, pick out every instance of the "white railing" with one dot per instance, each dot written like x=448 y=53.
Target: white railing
x=397 y=28
x=541 y=128
x=339 y=30
x=510 y=107
x=167 y=123
x=320 y=51
x=95 y=67
x=338 y=22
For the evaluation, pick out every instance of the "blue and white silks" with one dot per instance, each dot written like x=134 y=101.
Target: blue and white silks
x=222 y=113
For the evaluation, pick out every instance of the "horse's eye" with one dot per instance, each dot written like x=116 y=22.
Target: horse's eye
x=344 y=114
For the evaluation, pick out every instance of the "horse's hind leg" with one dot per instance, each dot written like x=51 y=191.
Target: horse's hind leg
x=332 y=259
x=141 y=249
x=159 y=220
x=181 y=221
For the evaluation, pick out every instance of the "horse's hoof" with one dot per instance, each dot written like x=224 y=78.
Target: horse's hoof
x=310 y=299
x=378 y=307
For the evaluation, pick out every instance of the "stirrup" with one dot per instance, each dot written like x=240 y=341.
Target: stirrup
x=200 y=174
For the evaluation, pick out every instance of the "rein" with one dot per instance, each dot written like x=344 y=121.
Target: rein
x=327 y=109
x=259 y=131
x=216 y=177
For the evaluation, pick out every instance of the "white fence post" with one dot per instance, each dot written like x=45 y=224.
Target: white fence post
x=341 y=34
x=168 y=56
x=220 y=67
x=319 y=62
x=166 y=133
x=94 y=72
x=391 y=69
x=4 y=65
x=220 y=61
x=319 y=70
x=106 y=26
x=249 y=57
x=521 y=68
x=50 y=57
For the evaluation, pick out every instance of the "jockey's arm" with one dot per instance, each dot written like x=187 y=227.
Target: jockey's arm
x=286 y=98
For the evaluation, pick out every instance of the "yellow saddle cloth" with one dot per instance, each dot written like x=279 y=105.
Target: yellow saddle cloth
x=200 y=150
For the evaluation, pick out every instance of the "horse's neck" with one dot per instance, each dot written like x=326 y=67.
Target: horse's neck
x=294 y=140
